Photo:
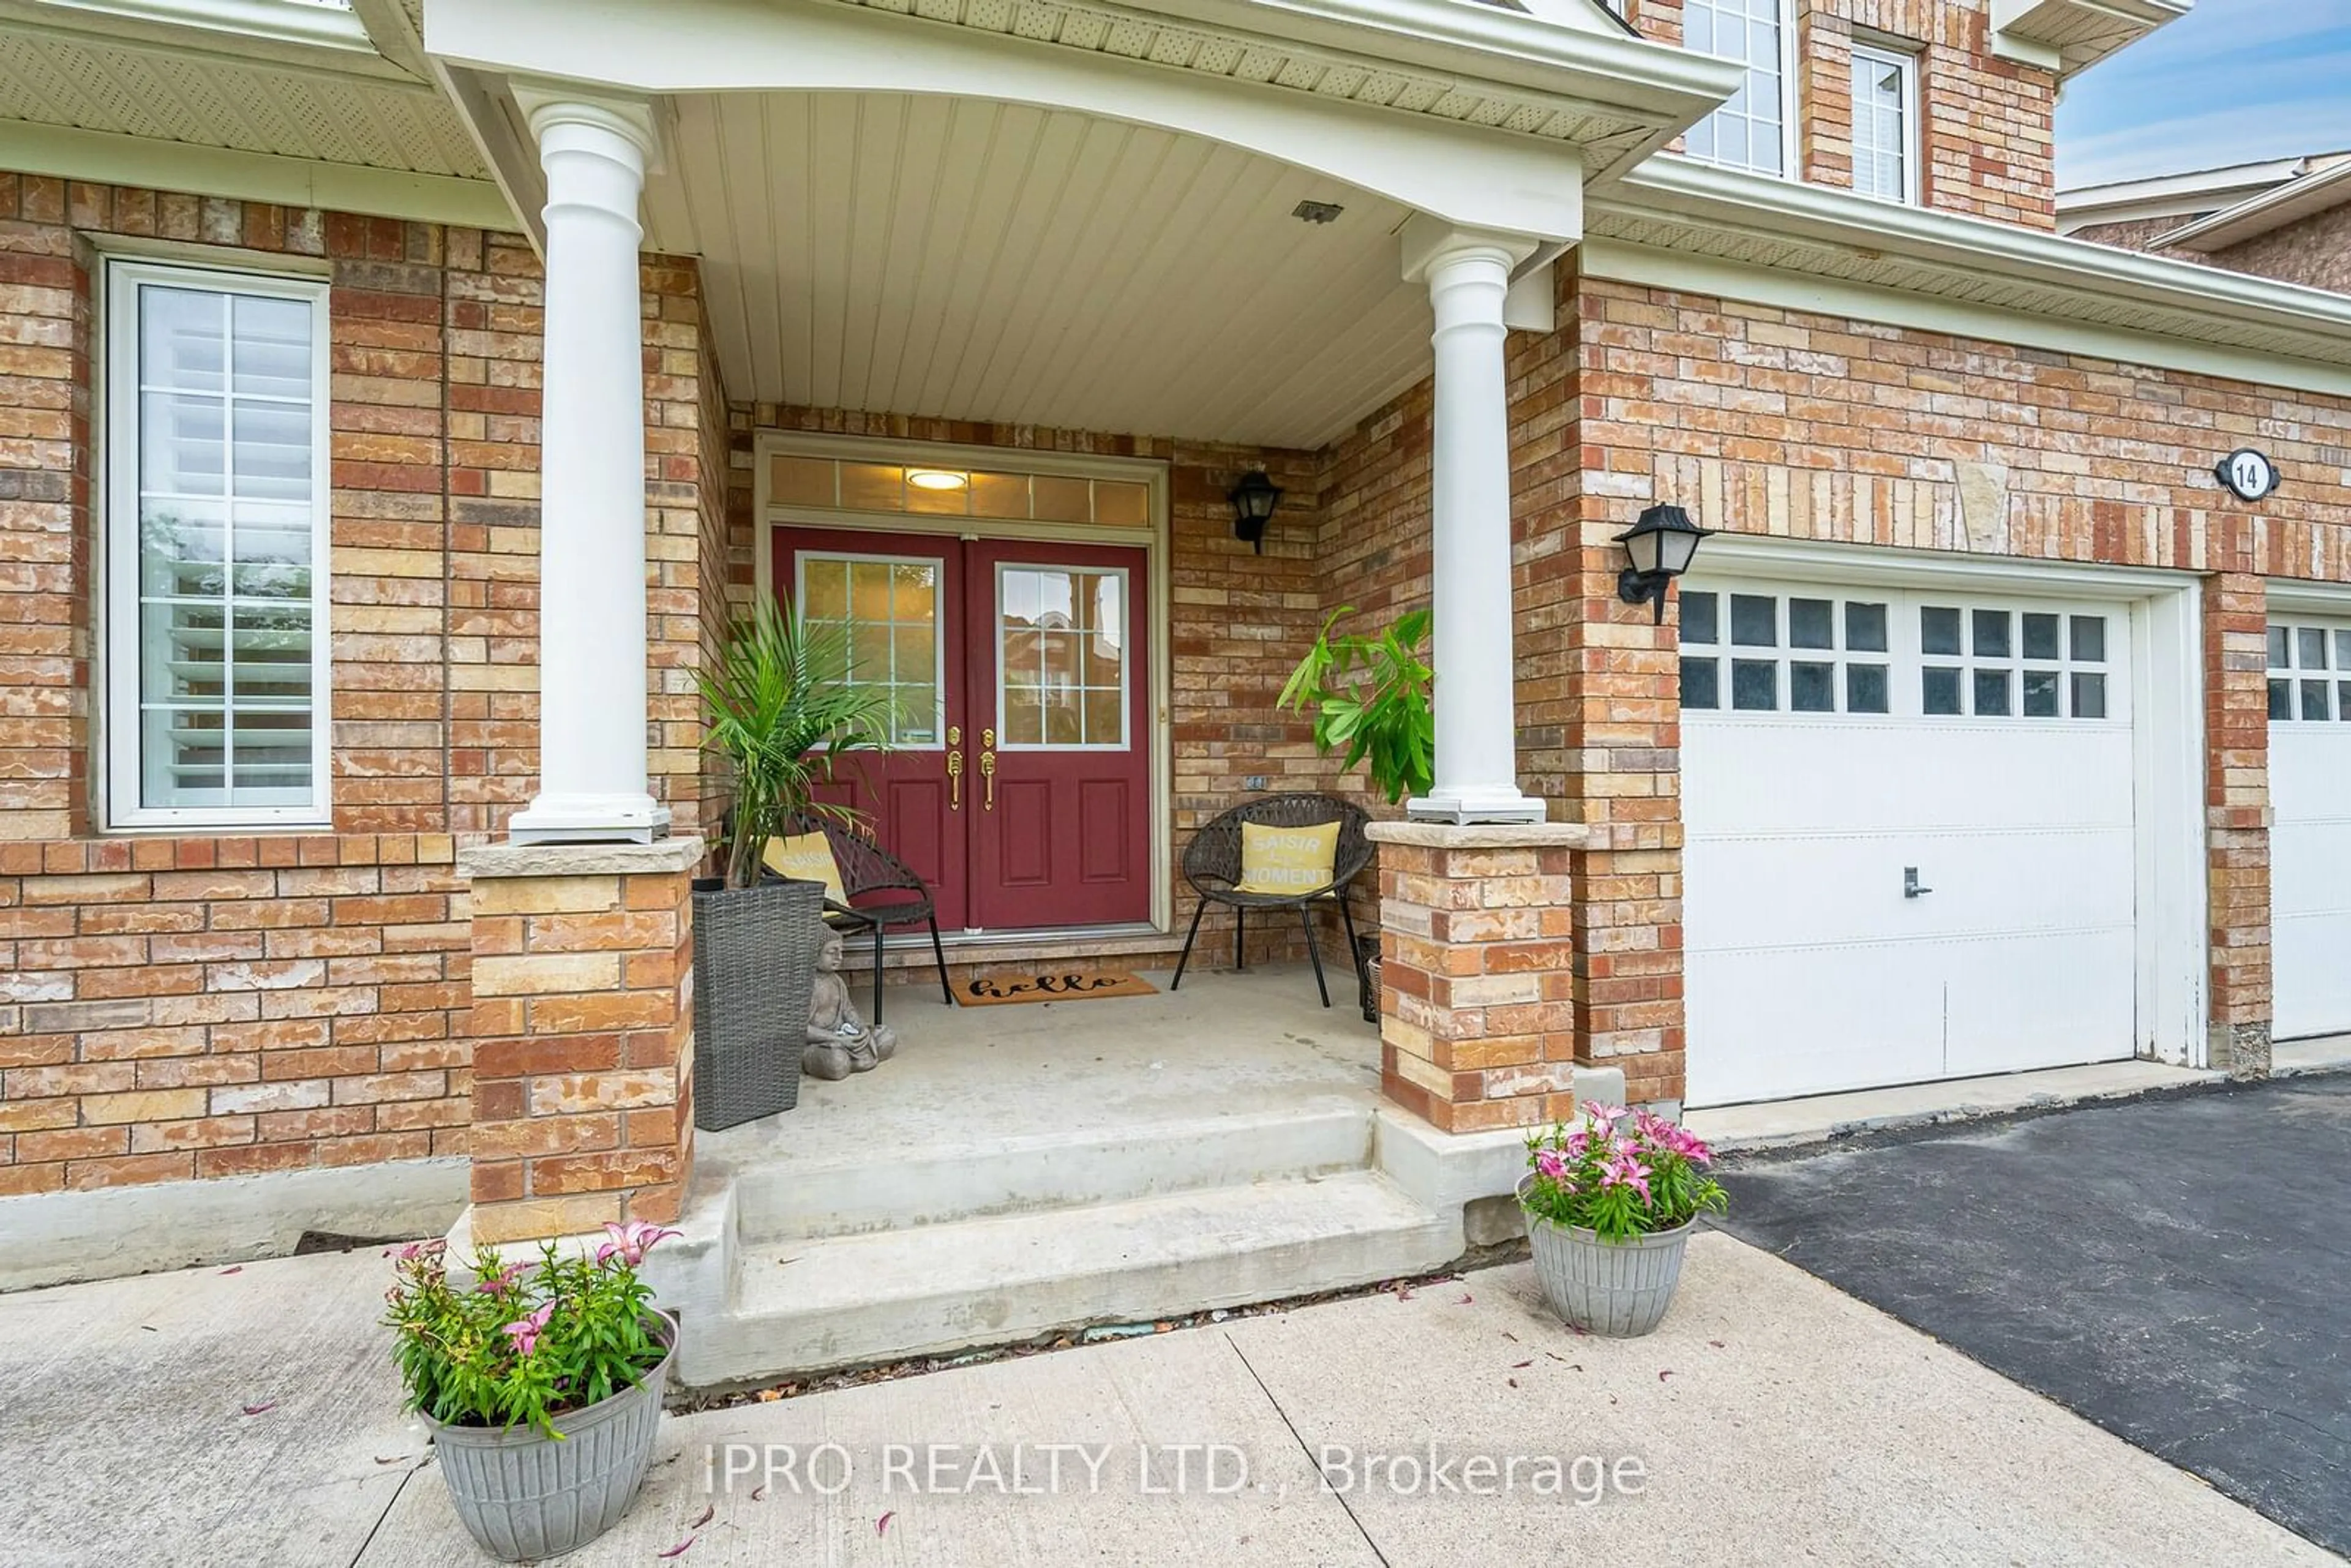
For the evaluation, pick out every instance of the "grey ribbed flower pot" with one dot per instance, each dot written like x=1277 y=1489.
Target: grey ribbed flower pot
x=523 y=1496
x=1620 y=1288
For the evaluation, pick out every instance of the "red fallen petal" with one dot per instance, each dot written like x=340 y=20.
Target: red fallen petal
x=1663 y=1375
x=676 y=1550
x=258 y=1409
x=758 y=1491
x=706 y=1512
x=233 y=1268
x=1466 y=1297
x=881 y=1525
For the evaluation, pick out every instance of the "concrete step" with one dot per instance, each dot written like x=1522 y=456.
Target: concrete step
x=878 y=1189
x=815 y=1303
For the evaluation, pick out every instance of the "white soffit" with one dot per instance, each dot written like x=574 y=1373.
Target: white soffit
x=2014 y=280
x=965 y=259
x=147 y=70
x=2070 y=36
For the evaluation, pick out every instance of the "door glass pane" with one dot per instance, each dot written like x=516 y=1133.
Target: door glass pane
x=1701 y=683
x=2089 y=639
x=2310 y=654
x=1812 y=688
x=1938 y=690
x=1061 y=648
x=1991 y=634
x=2281 y=639
x=2343 y=650
x=1938 y=631
x=2040 y=694
x=2315 y=699
x=1755 y=685
x=1865 y=688
x=2281 y=699
x=2041 y=636
x=2089 y=696
x=1811 y=624
x=878 y=615
x=1754 y=621
x=1864 y=628
x=1991 y=694
x=1697 y=617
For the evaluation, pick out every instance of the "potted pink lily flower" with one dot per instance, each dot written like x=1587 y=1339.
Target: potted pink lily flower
x=542 y=1383
x=1609 y=1205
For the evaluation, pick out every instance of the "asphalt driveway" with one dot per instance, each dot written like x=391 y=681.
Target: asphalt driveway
x=2176 y=1268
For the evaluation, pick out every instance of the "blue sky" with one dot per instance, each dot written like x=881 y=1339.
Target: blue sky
x=2233 y=81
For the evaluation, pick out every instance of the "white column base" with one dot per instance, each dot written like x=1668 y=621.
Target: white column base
x=589 y=820
x=1502 y=803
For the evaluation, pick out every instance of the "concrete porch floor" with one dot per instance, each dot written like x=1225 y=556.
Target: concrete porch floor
x=1228 y=1046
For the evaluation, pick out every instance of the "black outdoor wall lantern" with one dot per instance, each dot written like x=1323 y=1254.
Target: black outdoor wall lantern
x=1660 y=544
x=1254 y=499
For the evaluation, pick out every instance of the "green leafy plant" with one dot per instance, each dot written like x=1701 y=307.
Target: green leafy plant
x=1620 y=1174
x=781 y=715
x=526 y=1342
x=1370 y=696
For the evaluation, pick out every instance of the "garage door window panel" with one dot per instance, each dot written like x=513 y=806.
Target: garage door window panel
x=1809 y=677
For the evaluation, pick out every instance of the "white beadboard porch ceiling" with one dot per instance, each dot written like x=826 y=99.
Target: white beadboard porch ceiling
x=967 y=259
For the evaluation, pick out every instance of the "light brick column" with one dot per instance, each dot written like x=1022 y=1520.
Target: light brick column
x=1476 y=1018
x=2236 y=815
x=583 y=1026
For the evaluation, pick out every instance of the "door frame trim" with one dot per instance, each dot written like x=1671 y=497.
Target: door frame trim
x=2168 y=745
x=767 y=516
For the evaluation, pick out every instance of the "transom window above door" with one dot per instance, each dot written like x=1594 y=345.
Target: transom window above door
x=2310 y=672
x=1003 y=490
x=1766 y=650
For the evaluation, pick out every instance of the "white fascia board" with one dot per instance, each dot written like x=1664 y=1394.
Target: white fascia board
x=104 y=157
x=1784 y=289
x=1767 y=207
x=2272 y=209
x=1471 y=175
x=2214 y=186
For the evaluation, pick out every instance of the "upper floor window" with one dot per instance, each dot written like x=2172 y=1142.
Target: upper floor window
x=1751 y=130
x=216 y=546
x=1884 y=124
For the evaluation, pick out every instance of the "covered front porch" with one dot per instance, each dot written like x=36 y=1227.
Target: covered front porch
x=1003 y=340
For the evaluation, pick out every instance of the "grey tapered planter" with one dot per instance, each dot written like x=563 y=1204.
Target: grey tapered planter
x=755 y=951
x=1620 y=1288
x=524 y=1495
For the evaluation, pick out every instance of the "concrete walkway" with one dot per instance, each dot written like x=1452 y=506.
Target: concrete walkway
x=1773 y=1420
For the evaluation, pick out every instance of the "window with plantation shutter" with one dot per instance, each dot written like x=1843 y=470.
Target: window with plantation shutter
x=215 y=524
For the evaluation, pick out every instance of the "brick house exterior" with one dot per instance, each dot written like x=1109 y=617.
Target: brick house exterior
x=207 y=1004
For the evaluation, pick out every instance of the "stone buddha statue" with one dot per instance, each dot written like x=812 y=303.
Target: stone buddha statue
x=838 y=1041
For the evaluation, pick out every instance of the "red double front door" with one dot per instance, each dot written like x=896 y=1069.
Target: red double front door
x=1018 y=784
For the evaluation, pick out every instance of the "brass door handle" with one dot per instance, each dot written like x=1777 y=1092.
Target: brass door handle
x=988 y=774
x=954 y=781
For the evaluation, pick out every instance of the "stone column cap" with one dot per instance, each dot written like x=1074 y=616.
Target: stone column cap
x=1482 y=835
x=580 y=860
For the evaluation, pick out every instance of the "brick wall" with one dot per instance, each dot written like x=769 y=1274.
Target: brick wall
x=309 y=1007
x=174 y=1008
x=2315 y=251
x=1985 y=122
x=1809 y=427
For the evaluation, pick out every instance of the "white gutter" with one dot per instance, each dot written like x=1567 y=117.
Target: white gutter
x=1771 y=209
x=2271 y=210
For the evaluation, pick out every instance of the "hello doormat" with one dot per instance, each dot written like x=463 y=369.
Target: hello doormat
x=1075 y=986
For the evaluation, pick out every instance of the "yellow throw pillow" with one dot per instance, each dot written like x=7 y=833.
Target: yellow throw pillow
x=1287 y=860
x=806 y=857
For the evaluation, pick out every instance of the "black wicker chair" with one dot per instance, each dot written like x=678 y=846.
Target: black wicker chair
x=868 y=869
x=1212 y=864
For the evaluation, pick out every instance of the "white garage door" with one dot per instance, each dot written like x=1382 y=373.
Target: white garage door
x=2310 y=837
x=1910 y=851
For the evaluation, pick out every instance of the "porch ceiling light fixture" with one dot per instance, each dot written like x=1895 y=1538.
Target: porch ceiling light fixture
x=936 y=479
x=1660 y=544
x=1254 y=499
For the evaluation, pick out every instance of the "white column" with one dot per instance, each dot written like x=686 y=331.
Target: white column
x=591 y=539
x=1467 y=274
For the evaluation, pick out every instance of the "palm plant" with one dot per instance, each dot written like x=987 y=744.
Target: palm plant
x=781 y=715
x=1371 y=696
